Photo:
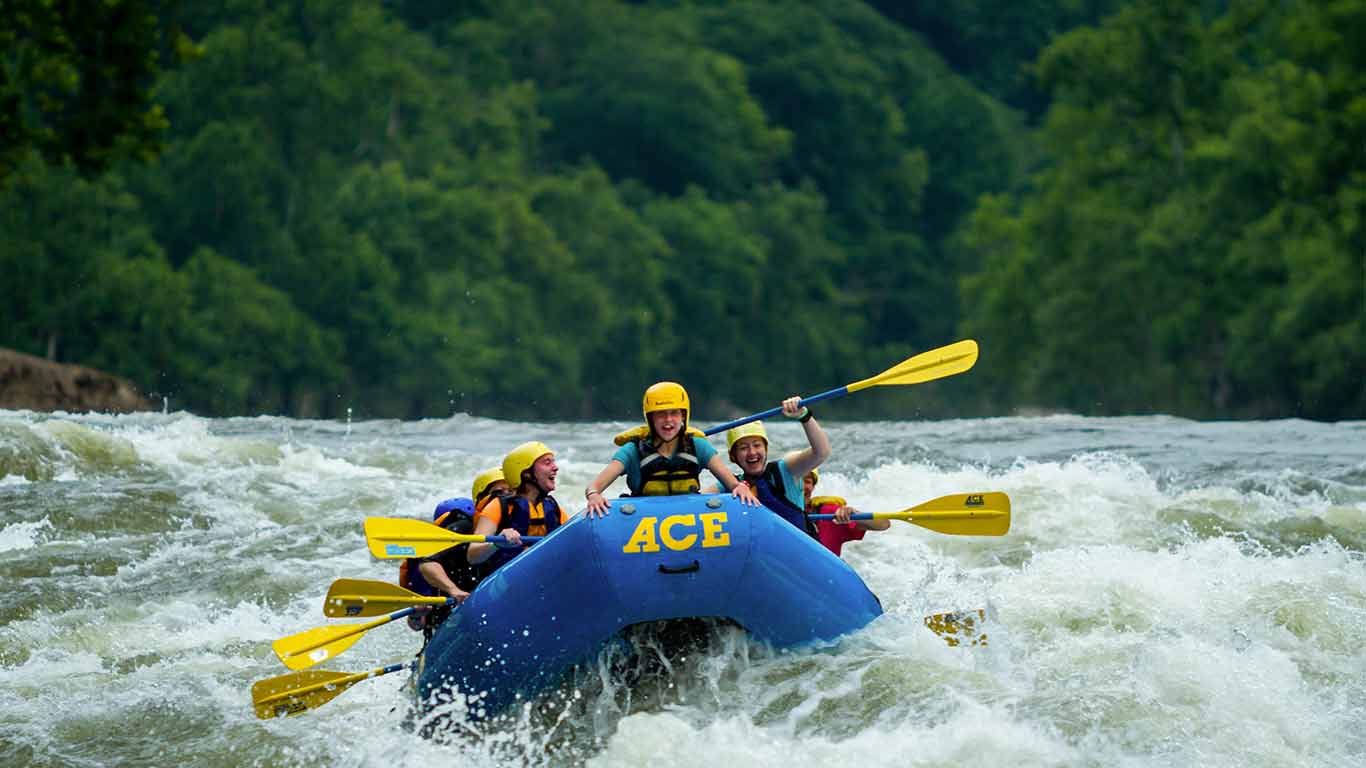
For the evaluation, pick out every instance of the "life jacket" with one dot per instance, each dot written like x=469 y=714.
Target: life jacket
x=467 y=577
x=517 y=514
x=770 y=490
x=662 y=475
x=825 y=505
x=832 y=535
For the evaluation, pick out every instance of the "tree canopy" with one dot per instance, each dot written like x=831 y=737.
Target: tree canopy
x=536 y=210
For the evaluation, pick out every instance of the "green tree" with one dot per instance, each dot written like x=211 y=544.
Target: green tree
x=995 y=44
x=1195 y=199
x=247 y=348
x=76 y=80
x=59 y=234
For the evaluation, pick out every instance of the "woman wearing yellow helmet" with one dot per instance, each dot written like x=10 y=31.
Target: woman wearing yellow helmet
x=529 y=510
x=773 y=481
x=667 y=460
x=488 y=484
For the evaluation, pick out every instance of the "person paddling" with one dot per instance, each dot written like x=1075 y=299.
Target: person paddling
x=774 y=481
x=664 y=457
x=447 y=573
x=528 y=510
x=834 y=534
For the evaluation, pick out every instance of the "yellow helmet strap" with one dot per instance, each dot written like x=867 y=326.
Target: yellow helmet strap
x=654 y=436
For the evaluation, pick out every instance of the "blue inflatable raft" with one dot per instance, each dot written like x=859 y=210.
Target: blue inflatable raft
x=650 y=559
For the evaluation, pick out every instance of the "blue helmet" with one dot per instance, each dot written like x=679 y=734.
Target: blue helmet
x=460 y=507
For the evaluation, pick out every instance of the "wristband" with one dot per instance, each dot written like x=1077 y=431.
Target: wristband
x=591 y=491
x=807 y=415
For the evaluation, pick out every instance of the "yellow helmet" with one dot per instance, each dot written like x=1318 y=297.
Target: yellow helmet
x=815 y=476
x=520 y=459
x=752 y=429
x=483 y=480
x=665 y=395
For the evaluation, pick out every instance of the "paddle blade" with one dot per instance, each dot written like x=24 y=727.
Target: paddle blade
x=348 y=598
x=314 y=646
x=297 y=692
x=390 y=538
x=959 y=627
x=960 y=514
x=926 y=366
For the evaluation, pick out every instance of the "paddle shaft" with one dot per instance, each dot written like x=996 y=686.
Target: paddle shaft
x=859 y=516
x=837 y=392
x=926 y=366
x=315 y=646
x=299 y=692
x=391 y=538
x=468 y=539
x=361 y=597
x=965 y=514
x=349 y=679
x=957 y=514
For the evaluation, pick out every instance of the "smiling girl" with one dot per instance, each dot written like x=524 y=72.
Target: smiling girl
x=667 y=460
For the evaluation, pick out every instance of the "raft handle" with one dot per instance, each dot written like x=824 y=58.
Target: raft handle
x=696 y=566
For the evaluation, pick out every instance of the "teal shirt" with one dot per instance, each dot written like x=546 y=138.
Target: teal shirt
x=630 y=458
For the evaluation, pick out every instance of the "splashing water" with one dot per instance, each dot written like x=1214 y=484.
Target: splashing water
x=1171 y=593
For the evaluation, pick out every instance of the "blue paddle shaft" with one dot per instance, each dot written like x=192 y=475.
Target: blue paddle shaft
x=859 y=516
x=400 y=613
x=503 y=539
x=839 y=392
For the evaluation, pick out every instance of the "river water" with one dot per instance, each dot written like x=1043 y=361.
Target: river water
x=1171 y=593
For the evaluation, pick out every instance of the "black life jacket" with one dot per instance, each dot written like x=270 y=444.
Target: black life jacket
x=769 y=488
x=517 y=514
x=454 y=560
x=662 y=475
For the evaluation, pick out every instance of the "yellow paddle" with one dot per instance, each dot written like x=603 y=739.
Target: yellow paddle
x=297 y=692
x=959 y=627
x=398 y=537
x=958 y=514
x=926 y=366
x=349 y=598
x=314 y=646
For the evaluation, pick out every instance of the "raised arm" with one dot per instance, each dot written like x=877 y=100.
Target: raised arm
x=807 y=459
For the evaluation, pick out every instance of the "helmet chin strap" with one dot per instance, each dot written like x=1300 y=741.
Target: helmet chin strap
x=529 y=478
x=541 y=491
x=659 y=440
x=654 y=433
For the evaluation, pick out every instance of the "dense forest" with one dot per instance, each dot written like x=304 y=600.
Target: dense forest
x=535 y=209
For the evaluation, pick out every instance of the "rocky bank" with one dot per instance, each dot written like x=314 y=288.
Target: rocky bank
x=35 y=384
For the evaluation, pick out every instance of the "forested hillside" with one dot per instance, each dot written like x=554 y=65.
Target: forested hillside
x=536 y=209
